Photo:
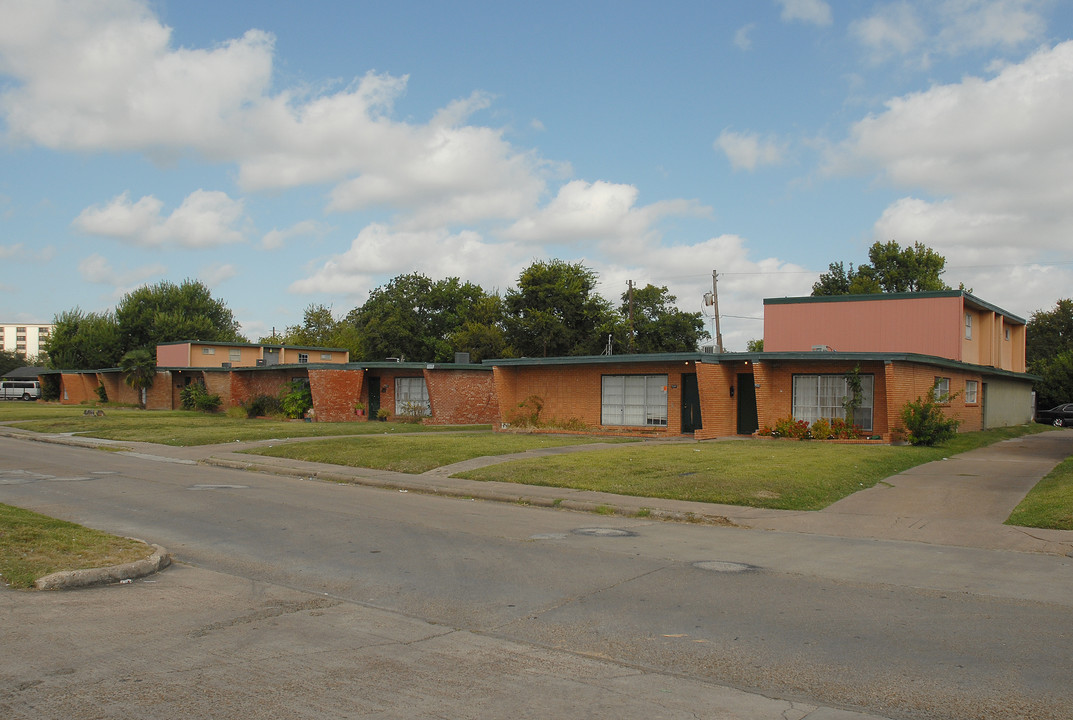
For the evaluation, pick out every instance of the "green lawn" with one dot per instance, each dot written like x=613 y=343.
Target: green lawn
x=780 y=474
x=33 y=545
x=420 y=454
x=1049 y=504
x=183 y=428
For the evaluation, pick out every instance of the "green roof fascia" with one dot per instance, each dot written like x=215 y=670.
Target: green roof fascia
x=806 y=356
x=216 y=343
x=972 y=300
x=608 y=359
x=389 y=365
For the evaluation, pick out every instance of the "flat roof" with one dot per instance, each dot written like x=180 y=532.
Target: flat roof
x=253 y=345
x=970 y=299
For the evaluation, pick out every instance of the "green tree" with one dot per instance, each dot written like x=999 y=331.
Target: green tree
x=1049 y=353
x=10 y=360
x=556 y=311
x=755 y=345
x=319 y=328
x=414 y=318
x=482 y=334
x=890 y=269
x=167 y=312
x=84 y=341
x=659 y=326
x=139 y=371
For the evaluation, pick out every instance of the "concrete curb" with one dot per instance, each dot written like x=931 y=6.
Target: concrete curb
x=68 y=579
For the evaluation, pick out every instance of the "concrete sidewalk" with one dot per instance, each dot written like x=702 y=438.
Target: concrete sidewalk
x=959 y=501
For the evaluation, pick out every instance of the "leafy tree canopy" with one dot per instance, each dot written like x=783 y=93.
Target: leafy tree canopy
x=556 y=311
x=659 y=326
x=891 y=269
x=167 y=312
x=11 y=360
x=1049 y=353
x=84 y=341
x=413 y=318
x=319 y=328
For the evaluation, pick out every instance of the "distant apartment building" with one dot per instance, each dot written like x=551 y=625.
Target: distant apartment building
x=25 y=338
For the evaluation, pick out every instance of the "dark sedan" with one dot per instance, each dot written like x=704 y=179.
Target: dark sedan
x=1057 y=416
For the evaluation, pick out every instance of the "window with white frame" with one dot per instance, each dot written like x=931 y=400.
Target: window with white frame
x=637 y=400
x=208 y=351
x=972 y=388
x=411 y=396
x=303 y=358
x=1007 y=333
x=325 y=356
x=942 y=389
x=234 y=355
x=822 y=396
x=968 y=326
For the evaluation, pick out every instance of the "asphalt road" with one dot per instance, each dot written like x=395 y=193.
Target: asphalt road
x=893 y=629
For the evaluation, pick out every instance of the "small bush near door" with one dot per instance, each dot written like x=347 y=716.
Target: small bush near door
x=195 y=397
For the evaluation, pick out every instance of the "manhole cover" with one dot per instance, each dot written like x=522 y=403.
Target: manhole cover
x=219 y=487
x=724 y=566
x=604 y=532
x=548 y=536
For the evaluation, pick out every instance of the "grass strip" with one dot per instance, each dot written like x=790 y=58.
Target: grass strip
x=1049 y=505
x=184 y=428
x=777 y=474
x=416 y=455
x=34 y=545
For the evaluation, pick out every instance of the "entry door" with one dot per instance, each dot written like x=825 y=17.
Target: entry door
x=690 y=403
x=374 y=394
x=747 y=420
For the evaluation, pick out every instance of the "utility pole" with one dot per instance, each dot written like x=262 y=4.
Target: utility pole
x=712 y=299
x=630 y=284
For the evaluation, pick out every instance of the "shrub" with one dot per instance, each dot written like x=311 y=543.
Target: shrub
x=102 y=394
x=262 y=405
x=925 y=423
x=295 y=399
x=842 y=430
x=788 y=427
x=527 y=414
x=820 y=429
x=195 y=397
x=413 y=412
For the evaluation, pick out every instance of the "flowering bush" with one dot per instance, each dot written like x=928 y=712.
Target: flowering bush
x=822 y=429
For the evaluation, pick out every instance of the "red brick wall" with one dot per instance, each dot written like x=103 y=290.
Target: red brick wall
x=246 y=385
x=461 y=397
x=912 y=380
x=334 y=394
x=159 y=394
x=573 y=391
x=774 y=397
x=718 y=410
x=78 y=388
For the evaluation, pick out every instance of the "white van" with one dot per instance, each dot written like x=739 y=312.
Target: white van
x=20 y=389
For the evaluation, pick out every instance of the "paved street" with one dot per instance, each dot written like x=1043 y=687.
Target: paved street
x=295 y=597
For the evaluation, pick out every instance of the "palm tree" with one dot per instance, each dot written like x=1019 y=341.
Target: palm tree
x=139 y=367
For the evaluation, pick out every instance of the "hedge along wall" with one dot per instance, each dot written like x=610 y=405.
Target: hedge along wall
x=334 y=394
x=775 y=394
x=247 y=384
x=461 y=397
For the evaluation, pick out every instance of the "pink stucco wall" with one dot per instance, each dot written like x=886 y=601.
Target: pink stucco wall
x=930 y=326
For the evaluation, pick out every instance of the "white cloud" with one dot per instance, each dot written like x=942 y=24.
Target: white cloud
x=747 y=151
x=214 y=275
x=816 y=12
x=96 y=269
x=741 y=37
x=595 y=211
x=987 y=163
x=10 y=251
x=380 y=252
x=950 y=27
x=892 y=30
x=275 y=238
x=205 y=219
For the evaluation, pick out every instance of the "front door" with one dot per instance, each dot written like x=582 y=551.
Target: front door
x=690 y=403
x=374 y=395
x=747 y=419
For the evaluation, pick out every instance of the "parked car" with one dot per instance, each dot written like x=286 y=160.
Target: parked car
x=1057 y=416
x=20 y=389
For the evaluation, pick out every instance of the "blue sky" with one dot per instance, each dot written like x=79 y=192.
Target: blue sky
x=289 y=154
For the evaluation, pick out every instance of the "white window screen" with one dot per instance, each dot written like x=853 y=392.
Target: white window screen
x=234 y=355
x=637 y=400
x=821 y=396
x=942 y=389
x=971 y=391
x=410 y=393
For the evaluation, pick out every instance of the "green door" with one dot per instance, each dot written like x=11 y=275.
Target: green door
x=374 y=395
x=690 y=403
x=747 y=420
